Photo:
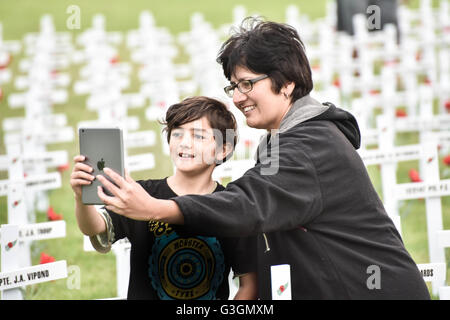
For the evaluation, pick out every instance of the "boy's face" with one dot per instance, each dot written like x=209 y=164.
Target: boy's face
x=192 y=146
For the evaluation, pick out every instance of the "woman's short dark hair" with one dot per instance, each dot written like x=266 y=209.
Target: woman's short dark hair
x=219 y=117
x=268 y=48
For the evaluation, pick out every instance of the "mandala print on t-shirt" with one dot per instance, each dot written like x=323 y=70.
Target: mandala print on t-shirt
x=186 y=268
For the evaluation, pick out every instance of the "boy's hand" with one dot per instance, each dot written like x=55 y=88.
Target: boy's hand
x=130 y=199
x=81 y=175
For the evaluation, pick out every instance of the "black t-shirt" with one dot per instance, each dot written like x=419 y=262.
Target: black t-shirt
x=169 y=263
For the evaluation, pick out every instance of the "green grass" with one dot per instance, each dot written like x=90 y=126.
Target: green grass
x=23 y=16
x=98 y=277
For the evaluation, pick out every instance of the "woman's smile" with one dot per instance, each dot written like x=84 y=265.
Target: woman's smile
x=246 y=110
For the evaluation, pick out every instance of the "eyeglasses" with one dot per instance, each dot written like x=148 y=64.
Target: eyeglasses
x=243 y=86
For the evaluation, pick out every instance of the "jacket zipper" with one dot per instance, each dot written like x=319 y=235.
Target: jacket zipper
x=267 y=243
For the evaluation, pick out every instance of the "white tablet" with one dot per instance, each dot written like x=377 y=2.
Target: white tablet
x=102 y=147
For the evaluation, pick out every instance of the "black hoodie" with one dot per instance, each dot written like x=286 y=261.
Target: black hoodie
x=312 y=205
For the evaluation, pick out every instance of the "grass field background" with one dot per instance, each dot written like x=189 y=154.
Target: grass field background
x=98 y=278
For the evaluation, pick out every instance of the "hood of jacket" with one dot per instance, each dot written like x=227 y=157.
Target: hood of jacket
x=309 y=109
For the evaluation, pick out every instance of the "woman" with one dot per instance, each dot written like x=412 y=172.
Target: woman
x=308 y=198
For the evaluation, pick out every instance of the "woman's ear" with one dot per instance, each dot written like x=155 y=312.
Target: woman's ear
x=288 y=88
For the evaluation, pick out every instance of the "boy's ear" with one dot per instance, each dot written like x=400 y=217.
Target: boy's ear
x=226 y=150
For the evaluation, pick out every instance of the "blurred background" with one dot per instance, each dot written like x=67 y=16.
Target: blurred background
x=124 y=63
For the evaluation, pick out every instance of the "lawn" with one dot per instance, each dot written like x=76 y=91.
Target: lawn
x=97 y=271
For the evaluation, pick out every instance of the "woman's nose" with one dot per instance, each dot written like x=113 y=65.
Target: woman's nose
x=238 y=97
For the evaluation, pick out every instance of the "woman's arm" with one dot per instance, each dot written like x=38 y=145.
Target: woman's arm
x=259 y=201
x=132 y=201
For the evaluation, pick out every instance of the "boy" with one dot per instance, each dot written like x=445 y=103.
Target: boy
x=165 y=261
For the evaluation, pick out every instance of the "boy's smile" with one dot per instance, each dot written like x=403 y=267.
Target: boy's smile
x=186 y=155
x=192 y=145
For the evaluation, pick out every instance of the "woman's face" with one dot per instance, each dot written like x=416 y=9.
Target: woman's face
x=263 y=109
x=192 y=146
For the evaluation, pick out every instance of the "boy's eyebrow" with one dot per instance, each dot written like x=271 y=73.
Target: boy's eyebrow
x=191 y=129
